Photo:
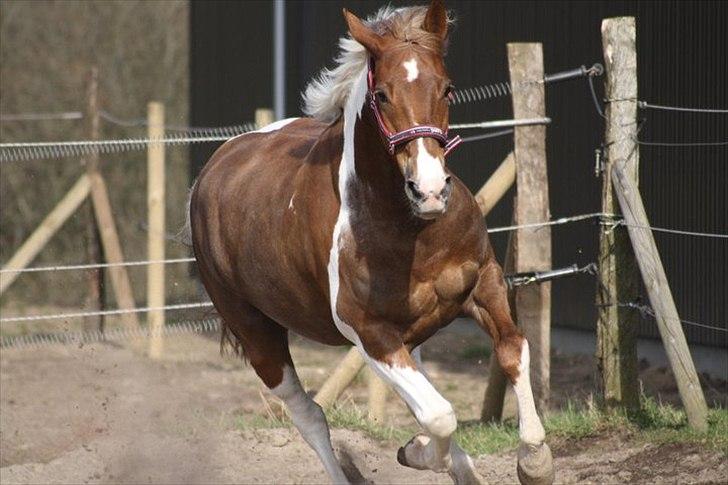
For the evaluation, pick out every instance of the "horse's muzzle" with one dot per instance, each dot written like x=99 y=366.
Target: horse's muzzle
x=429 y=204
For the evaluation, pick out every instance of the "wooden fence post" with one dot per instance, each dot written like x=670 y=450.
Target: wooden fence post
x=533 y=302
x=157 y=230
x=263 y=117
x=94 y=251
x=618 y=279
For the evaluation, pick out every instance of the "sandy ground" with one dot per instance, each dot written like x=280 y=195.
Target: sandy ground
x=104 y=413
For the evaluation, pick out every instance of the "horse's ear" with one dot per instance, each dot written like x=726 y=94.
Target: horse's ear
x=363 y=34
x=436 y=19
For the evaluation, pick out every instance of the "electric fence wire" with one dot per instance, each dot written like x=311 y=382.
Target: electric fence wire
x=646 y=310
x=646 y=105
x=69 y=267
x=207 y=325
x=14 y=152
x=102 y=313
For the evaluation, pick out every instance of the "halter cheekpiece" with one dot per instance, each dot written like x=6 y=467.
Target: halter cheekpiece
x=401 y=137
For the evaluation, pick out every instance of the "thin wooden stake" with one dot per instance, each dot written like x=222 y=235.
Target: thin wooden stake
x=157 y=231
x=377 y=397
x=497 y=185
x=344 y=373
x=95 y=300
x=618 y=278
x=45 y=230
x=658 y=289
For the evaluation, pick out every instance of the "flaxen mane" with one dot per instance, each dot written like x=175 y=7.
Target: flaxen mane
x=325 y=96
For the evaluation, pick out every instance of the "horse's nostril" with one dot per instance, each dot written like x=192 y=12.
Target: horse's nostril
x=414 y=188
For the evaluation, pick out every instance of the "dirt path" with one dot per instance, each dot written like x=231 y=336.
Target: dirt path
x=105 y=414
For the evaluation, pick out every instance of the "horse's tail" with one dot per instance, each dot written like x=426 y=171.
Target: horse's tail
x=184 y=235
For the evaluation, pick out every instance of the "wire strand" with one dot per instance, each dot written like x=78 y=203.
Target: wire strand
x=682 y=144
x=487 y=135
x=647 y=310
x=68 y=267
x=555 y=222
x=646 y=105
x=207 y=325
x=34 y=318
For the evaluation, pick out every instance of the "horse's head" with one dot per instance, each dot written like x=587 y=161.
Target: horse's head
x=410 y=88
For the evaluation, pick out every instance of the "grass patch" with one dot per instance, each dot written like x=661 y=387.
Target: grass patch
x=655 y=423
x=249 y=421
x=352 y=417
x=479 y=438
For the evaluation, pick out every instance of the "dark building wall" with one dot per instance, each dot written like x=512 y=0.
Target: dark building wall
x=682 y=61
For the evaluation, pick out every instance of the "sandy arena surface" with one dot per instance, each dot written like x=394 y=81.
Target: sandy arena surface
x=104 y=413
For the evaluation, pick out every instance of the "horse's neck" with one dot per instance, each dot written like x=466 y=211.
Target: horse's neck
x=377 y=189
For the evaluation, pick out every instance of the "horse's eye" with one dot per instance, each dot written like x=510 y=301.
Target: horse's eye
x=381 y=97
x=448 y=92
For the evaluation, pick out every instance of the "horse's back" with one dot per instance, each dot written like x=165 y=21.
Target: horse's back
x=251 y=212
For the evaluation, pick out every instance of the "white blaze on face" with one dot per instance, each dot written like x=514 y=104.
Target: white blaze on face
x=411 y=68
x=430 y=172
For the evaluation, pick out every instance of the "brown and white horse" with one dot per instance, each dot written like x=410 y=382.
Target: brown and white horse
x=326 y=227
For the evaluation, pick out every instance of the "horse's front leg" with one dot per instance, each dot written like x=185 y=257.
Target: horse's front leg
x=488 y=305
x=434 y=449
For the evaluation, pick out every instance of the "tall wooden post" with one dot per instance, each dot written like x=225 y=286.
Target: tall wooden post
x=157 y=231
x=618 y=278
x=94 y=252
x=533 y=302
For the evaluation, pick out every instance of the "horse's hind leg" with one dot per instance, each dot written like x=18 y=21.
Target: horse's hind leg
x=489 y=306
x=265 y=344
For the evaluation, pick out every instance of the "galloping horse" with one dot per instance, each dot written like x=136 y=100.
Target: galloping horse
x=346 y=227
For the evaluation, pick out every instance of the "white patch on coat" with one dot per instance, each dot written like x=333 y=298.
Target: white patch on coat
x=430 y=172
x=290 y=202
x=431 y=410
x=276 y=125
x=310 y=421
x=411 y=68
x=530 y=429
x=347 y=172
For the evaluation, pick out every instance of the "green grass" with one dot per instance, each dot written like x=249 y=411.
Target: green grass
x=655 y=423
x=352 y=417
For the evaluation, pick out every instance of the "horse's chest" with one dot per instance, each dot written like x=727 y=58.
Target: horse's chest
x=401 y=292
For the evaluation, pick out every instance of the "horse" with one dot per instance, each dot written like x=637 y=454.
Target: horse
x=346 y=227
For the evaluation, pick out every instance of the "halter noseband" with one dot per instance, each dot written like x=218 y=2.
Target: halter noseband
x=420 y=131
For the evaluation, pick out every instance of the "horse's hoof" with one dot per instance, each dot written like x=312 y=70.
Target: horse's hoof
x=535 y=464
x=401 y=457
x=418 y=453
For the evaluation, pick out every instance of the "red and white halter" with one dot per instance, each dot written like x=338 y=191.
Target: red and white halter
x=401 y=137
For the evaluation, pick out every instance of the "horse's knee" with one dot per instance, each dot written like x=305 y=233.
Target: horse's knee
x=509 y=351
x=440 y=422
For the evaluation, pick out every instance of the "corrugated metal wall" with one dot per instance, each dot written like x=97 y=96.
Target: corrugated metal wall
x=682 y=61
